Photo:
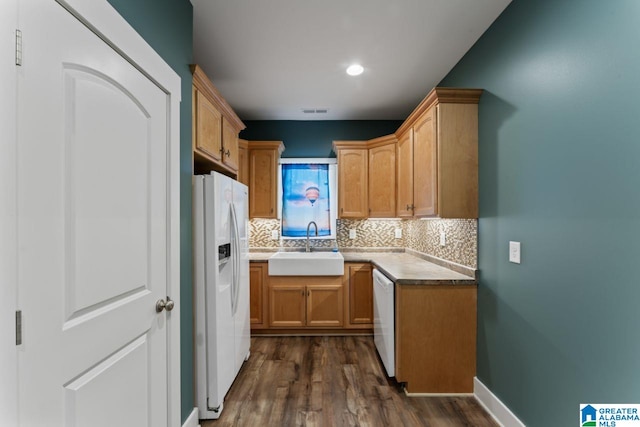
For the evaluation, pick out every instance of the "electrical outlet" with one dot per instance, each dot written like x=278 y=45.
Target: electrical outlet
x=275 y=235
x=398 y=233
x=443 y=238
x=514 y=252
x=352 y=233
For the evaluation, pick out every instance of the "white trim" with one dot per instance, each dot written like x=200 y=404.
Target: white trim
x=494 y=406
x=8 y=214
x=105 y=21
x=333 y=194
x=192 y=419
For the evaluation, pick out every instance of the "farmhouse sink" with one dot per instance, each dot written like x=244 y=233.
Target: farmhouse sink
x=306 y=264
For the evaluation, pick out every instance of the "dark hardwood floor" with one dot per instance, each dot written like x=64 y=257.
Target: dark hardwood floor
x=332 y=381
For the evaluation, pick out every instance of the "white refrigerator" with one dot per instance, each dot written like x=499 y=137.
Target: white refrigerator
x=221 y=294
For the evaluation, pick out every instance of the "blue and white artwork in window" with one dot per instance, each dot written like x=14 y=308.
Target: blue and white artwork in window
x=305 y=197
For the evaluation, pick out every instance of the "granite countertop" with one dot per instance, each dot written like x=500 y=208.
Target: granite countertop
x=402 y=268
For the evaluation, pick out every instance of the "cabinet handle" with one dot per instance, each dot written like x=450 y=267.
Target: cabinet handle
x=271 y=210
x=409 y=207
x=308 y=293
x=302 y=293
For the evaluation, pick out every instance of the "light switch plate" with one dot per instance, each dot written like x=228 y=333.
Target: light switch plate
x=398 y=233
x=443 y=238
x=352 y=233
x=514 y=252
x=274 y=235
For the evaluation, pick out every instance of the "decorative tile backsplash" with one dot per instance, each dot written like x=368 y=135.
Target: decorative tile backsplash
x=420 y=235
x=461 y=239
x=369 y=234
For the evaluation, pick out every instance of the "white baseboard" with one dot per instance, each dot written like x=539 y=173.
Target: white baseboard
x=494 y=406
x=192 y=419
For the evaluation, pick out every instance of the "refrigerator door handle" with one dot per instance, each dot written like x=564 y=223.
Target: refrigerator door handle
x=233 y=259
x=236 y=264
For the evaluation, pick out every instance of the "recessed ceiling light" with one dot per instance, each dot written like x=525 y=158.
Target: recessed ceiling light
x=355 y=70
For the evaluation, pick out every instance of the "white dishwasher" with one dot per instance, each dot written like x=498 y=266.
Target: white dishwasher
x=384 y=320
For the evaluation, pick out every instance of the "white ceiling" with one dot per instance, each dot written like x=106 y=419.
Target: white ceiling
x=272 y=58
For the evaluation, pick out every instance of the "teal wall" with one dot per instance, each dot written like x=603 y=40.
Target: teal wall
x=559 y=171
x=313 y=138
x=167 y=26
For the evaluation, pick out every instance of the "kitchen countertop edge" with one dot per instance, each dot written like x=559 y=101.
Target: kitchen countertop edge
x=392 y=268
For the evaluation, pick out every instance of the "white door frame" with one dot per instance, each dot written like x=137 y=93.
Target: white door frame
x=8 y=218
x=105 y=21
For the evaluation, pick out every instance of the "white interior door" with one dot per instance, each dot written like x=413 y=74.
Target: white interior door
x=8 y=256
x=93 y=229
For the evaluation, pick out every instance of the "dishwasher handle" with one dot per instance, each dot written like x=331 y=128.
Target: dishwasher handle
x=382 y=281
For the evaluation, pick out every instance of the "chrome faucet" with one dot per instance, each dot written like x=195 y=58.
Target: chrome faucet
x=308 y=227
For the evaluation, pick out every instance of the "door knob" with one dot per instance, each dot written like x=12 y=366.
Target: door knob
x=161 y=305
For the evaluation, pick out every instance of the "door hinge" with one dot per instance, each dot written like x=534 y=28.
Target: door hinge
x=18 y=47
x=18 y=327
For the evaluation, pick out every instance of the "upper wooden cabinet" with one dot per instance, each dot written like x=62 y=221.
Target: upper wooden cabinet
x=438 y=156
x=243 y=161
x=404 y=167
x=215 y=128
x=366 y=178
x=353 y=165
x=263 y=178
x=425 y=177
x=382 y=177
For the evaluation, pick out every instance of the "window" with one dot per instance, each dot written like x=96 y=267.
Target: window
x=307 y=192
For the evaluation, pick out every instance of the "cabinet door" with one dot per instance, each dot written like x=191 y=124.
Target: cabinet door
x=258 y=294
x=360 y=283
x=457 y=160
x=287 y=304
x=229 y=145
x=353 y=165
x=382 y=181
x=263 y=165
x=404 y=206
x=208 y=127
x=425 y=178
x=243 y=162
x=324 y=304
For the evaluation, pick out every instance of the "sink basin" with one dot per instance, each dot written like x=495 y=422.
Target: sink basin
x=306 y=264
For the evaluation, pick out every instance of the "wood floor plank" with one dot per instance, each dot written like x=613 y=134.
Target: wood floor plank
x=332 y=382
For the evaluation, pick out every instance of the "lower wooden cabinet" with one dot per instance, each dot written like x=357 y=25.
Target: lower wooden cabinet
x=436 y=338
x=358 y=284
x=306 y=301
x=298 y=303
x=258 y=291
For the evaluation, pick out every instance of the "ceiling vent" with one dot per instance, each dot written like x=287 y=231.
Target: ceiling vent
x=315 y=110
